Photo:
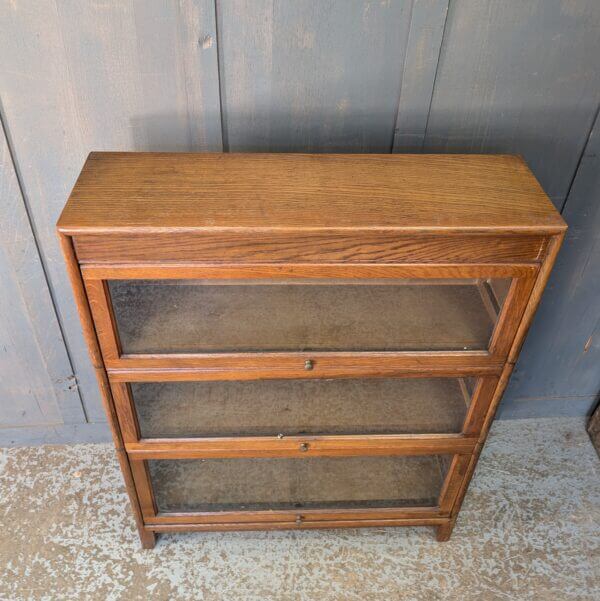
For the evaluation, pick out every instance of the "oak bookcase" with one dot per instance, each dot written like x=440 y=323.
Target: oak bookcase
x=304 y=341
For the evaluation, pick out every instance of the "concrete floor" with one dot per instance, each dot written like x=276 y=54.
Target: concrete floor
x=529 y=529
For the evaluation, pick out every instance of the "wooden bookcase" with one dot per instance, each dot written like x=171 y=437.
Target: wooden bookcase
x=304 y=341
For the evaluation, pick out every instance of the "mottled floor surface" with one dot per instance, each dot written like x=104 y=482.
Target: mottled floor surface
x=530 y=529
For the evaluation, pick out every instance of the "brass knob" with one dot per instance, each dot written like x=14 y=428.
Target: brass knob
x=298 y=520
x=308 y=364
x=304 y=446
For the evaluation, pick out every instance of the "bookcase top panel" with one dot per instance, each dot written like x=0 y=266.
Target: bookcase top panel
x=158 y=192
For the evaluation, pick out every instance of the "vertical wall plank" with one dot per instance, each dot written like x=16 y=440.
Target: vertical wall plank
x=297 y=75
x=519 y=77
x=311 y=76
x=112 y=75
x=36 y=387
x=428 y=19
x=559 y=368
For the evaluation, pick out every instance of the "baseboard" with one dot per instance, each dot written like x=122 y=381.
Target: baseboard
x=547 y=407
x=62 y=434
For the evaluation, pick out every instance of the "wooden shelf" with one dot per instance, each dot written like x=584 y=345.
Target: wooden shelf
x=164 y=192
x=295 y=407
x=209 y=485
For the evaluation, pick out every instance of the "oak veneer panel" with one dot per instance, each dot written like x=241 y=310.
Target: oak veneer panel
x=161 y=192
x=293 y=407
x=290 y=483
x=307 y=247
x=181 y=317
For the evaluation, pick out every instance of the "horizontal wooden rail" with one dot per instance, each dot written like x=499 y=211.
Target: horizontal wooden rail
x=284 y=365
x=301 y=446
x=299 y=525
x=306 y=270
x=291 y=515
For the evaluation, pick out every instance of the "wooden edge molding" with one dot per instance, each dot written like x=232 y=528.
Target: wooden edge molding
x=291 y=515
x=199 y=369
x=352 y=271
x=301 y=446
x=296 y=524
x=536 y=295
x=553 y=248
x=147 y=537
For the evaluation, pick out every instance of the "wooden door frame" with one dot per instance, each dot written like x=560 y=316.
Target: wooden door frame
x=327 y=364
x=139 y=447
x=301 y=518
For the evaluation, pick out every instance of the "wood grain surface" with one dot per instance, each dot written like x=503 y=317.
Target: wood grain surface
x=307 y=247
x=156 y=192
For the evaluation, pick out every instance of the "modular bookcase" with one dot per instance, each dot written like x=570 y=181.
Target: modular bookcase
x=304 y=341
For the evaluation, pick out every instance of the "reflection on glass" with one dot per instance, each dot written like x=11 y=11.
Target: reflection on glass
x=194 y=316
x=316 y=482
x=295 y=407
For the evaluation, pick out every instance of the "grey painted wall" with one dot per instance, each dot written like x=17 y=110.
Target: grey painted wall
x=559 y=368
x=287 y=75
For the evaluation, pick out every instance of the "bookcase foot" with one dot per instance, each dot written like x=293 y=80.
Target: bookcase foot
x=147 y=538
x=444 y=532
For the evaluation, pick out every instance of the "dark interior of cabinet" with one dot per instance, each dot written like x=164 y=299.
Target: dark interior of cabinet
x=296 y=407
x=253 y=484
x=193 y=316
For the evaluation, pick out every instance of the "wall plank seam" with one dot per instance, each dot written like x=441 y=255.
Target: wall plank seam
x=419 y=73
x=593 y=123
x=220 y=77
x=40 y=326
x=402 y=75
x=437 y=67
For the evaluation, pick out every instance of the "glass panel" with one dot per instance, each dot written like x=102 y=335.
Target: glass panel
x=315 y=482
x=293 y=407
x=193 y=316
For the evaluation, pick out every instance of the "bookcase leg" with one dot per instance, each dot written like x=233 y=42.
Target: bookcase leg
x=444 y=531
x=147 y=538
